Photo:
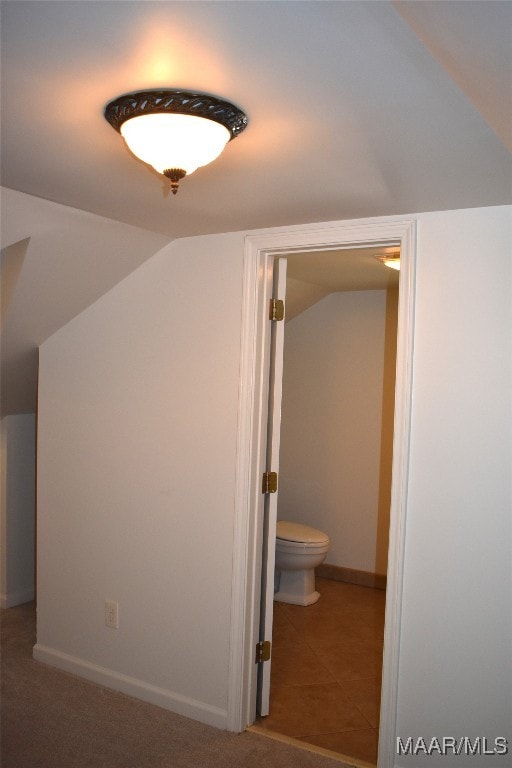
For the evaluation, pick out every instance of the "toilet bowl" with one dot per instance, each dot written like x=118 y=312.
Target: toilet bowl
x=299 y=549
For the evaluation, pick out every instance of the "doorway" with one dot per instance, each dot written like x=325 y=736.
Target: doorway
x=335 y=475
x=258 y=270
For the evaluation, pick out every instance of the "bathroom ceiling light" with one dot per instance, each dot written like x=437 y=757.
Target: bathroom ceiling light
x=175 y=131
x=391 y=260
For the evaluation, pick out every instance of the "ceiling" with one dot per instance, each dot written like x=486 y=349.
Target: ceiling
x=355 y=109
x=312 y=276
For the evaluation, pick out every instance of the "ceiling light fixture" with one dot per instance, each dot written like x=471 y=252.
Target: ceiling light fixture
x=175 y=131
x=391 y=260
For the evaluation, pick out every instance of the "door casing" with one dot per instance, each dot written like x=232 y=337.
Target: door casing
x=260 y=251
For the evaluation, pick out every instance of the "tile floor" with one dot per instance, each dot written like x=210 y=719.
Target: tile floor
x=326 y=670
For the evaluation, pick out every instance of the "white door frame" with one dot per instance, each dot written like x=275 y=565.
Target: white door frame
x=260 y=251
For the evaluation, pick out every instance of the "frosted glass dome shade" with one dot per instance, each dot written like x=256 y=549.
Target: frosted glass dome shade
x=168 y=141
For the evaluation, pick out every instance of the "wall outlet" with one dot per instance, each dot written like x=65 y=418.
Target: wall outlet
x=112 y=614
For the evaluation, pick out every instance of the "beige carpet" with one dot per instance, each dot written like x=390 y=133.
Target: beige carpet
x=51 y=719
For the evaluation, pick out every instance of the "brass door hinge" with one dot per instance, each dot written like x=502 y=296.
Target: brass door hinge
x=269 y=484
x=262 y=651
x=276 y=309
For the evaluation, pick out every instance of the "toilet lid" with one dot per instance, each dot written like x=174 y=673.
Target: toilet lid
x=300 y=533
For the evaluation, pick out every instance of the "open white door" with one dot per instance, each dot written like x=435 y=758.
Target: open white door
x=272 y=466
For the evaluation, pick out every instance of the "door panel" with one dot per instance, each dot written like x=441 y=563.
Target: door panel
x=270 y=513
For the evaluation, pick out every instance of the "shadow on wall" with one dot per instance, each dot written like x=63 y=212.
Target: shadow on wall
x=387 y=430
x=17 y=509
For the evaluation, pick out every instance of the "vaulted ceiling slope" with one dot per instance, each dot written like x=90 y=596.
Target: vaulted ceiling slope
x=355 y=109
x=55 y=262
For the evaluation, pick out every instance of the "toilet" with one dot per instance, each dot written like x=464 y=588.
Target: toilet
x=299 y=549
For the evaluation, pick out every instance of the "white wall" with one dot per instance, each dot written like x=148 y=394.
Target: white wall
x=331 y=472
x=18 y=510
x=137 y=451
x=456 y=650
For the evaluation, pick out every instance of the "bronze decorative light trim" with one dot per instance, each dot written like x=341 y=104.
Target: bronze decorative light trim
x=175 y=102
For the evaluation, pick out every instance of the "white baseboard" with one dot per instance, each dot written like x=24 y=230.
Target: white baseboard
x=160 y=697
x=20 y=596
